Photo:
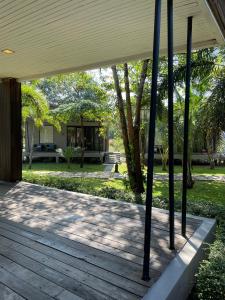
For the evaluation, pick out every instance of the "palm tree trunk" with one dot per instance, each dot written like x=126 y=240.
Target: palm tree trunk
x=137 y=162
x=190 y=181
x=164 y=158
x=210 y=153
x=82 y=142
x=68 y=163
x=31 y=148
x=28 y=136
x=143 y=145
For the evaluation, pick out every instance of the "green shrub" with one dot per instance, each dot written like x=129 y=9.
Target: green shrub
x=211 y=274
x=112 y=193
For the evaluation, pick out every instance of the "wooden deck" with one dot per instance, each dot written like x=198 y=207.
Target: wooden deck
x=63 y=245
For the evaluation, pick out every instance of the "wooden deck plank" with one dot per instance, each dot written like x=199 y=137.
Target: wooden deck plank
x=96 y=222
x=90 y=209
x=21 y=287
x=42 y=240
x=120 y=252
x=36 y=281
x=86 y=247
x=159 y=239
x=65 y=295
x=29 y=277
x=50 y=274
x=127 y=233
x=76 y=201
x=8 y=294
x=66 y=266
x=74 y=248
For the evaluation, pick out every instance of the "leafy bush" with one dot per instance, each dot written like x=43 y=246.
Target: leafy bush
x=112 y=193
x=211 y=274
x=68 y=153
x=210 y=278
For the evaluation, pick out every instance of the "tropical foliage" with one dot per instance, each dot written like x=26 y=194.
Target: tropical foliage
x=207 y=103
x=35 y=108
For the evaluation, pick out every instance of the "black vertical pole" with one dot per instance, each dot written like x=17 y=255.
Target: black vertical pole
x=186 y=121
x=151 y=140
x=170 y=120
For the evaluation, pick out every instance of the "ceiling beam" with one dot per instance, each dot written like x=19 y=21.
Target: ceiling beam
x=218 y=9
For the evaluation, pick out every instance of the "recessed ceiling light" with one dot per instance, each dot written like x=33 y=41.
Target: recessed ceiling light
x=7 y=51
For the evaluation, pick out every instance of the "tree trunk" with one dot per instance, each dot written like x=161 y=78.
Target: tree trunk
x=164 y=164
x=31 y=148
x=130 y=132
x=134 y=135
x=123 y=123
x=212 y=164
x=210 y=153
x=164 y=158
x=137 y=162
x=82 y=142
x=27 y=134
x=190 y=181
x=68 y=163
x=137 y=125
x=130 y=127
x=143 y=146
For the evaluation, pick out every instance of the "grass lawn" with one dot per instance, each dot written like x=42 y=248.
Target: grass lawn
x=202 y=191
x=88 y=167
x=74 y=167
x=197 y=170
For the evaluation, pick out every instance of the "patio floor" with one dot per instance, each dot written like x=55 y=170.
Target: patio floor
x=56 y=244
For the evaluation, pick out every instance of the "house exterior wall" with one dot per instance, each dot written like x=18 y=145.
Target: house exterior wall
x=59 y=138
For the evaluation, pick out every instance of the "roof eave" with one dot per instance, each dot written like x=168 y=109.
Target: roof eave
x=217 y=10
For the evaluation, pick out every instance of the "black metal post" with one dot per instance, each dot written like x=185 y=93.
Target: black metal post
x=186 y=127
x=170 y=120
x=151 y=139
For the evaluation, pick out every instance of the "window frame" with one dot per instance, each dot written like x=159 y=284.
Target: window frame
x=40 y=142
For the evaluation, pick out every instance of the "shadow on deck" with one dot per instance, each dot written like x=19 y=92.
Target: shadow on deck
x=56 y=244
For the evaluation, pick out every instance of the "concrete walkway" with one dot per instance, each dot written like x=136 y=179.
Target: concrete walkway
x=65 y=174
x=109 y=167
x=107 y=174
x=195 y=177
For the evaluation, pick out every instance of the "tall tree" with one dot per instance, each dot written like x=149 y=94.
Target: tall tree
x=130 y=121
x=80 y=110
x=35 y=108
x=213 y=113
x=76 y=97
x=65 y=89
x=204 y=63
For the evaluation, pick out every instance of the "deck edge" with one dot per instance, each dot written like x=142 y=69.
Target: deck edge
x=177 y=280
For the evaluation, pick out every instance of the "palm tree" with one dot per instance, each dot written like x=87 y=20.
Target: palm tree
x=213 y=115
x=207 y=88
x=35 y=108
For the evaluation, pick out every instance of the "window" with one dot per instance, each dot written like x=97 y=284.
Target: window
x=46 y=135
x=92 y=140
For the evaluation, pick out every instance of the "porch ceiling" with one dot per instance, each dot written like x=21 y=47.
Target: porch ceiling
x=51 y=36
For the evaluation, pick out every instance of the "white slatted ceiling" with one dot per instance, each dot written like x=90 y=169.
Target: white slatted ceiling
x=52 y=36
